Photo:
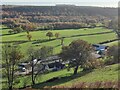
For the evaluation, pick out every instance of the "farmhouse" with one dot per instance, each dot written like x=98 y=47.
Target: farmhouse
x=100 y=49
x=54 y=66
x=53 y=63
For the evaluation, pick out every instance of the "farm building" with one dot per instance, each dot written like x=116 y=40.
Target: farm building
x=53 y=63
x=51 y=59
x=99 y=47
x=54 y=66
x=100 y=50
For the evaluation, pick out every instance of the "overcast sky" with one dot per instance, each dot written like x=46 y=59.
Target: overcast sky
x=101 y=3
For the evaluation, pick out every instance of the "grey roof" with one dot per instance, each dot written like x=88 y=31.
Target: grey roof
x=99 y=47
x=51 y=58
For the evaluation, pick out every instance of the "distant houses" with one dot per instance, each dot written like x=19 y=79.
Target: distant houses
x=54 y=63
x=54 y=66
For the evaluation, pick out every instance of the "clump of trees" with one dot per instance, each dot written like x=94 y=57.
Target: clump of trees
x=15 y=30
x=49 y=34
x=11 y=55
x=77 y=53
x=68 y=25
x=92 y=63
x=30 y=27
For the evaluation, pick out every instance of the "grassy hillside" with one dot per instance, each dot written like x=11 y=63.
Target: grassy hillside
x=42 y=34
x=108 y=73
x=70 y=34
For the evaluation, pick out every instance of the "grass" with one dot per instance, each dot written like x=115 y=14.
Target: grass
x=41 y=78
x=112 y=43
x=109 y=73
x=67 y=41
x=4 y=30
x=40 y=35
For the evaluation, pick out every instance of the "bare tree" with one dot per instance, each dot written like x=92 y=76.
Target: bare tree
x=62 y=41
x=11 y=55
x=29 y=36
x=42 y=53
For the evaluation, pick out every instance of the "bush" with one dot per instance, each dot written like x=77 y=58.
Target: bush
x=112 y=55
x=92 y=64
x=108 y=61
x=17 y=30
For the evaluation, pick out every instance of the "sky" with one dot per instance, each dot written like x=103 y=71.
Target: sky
x=100 y=3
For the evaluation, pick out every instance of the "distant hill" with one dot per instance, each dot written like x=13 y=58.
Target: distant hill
x=66 y=10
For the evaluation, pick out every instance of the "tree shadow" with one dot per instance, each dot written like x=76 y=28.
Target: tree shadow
x=16 y=42
x=42 y=41
x=60 y=80
x=6 y=34
x=21 y=35
x=57 y=45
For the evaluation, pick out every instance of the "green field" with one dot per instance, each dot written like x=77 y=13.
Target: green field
x=41 y=35
x=112 y=43
x=108 y=73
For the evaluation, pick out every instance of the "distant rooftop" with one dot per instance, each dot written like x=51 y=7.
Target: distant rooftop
x=99 y=47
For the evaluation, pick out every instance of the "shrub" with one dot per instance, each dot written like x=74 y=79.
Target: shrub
x=112 y=55
x=92 y=64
